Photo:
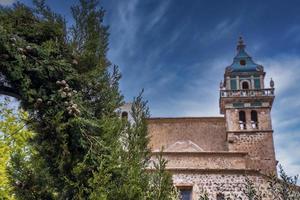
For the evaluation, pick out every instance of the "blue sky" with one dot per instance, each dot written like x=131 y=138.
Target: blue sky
x=178 y=50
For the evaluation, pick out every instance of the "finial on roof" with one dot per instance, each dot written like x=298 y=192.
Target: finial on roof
x=221 y=84
x=241 y=45
x=272 y=83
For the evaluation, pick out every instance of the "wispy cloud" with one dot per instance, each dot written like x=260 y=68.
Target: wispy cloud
x=221 y=30
x=141 y=68
x=199 y=95
x=158 y=14
x=293 y=33
x=7 y=2
x=124 y=26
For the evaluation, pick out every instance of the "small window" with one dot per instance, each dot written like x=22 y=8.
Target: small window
x=220 y=196
x=245 y=85
x=185 y=193
x=243 y=62
x=254 y=116
x=242 y=120
x=124 y=115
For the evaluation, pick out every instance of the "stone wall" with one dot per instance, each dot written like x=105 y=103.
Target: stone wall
x=260 y=147
x=257 y=142
x=207 y=133
x=231 y=184
x=205 y=160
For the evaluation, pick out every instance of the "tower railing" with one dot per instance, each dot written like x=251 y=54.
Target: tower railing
x=247 y=93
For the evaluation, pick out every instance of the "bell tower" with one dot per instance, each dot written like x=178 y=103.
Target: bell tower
x=246 y=104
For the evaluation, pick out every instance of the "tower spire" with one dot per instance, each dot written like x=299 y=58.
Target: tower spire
x=240 y=45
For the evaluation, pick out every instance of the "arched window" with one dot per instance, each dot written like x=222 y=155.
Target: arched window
x=242 y=116
x=245 y=85
x=220 y=196
x=124 y=115
x=242 y=120
x=254 y=119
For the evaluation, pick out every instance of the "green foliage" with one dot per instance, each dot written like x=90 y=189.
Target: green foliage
x=250 y=190
x=284 y=188
x=14 y=139
x=81 y=149
x=127 y=175
x=204 y=195
x=161 y=187
x=135 y=155
x=39 y=63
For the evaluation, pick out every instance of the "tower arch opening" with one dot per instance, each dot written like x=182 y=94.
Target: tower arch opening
x=254 y=119
x=245 y=85
x=242 y=120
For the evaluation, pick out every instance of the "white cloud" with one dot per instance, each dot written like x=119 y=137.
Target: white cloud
x=284 y=70
x=288 y=152
x=7 y=2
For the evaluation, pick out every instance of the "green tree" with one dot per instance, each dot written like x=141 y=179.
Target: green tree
x=204 y=196
x=161 y=187
x=285 y=187
x=250 y=191
x=14 y=139
x=135 y=154
x=70 y=91
x=281 y=187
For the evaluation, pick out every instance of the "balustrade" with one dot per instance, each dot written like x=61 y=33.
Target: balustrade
x=247 y=93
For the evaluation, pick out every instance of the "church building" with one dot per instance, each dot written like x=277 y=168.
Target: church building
x=216 y=154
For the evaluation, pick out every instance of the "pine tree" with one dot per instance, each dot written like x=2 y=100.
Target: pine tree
x=134 y=182
x=161 y=187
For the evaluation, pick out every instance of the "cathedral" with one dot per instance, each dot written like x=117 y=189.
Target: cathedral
x=216 y=154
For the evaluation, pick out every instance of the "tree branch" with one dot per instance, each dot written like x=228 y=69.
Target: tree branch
x=4 y=90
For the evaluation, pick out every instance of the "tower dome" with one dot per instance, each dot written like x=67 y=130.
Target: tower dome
x=242 y=62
